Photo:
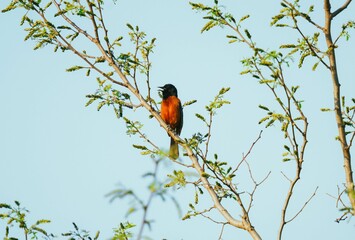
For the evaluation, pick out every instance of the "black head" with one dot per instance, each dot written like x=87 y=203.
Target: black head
x=168 y=90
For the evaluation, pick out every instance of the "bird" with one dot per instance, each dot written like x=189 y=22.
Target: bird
x=172 y=114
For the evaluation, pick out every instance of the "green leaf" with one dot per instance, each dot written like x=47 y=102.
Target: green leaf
x=63 y=11
x=187 y=216
x=294 y=89
x=188 y=103
x=245 y=72
x=205 y=175
x=75 y=68
x=140 y=147
x=209 y=25
x=107 y=87
x=264 y=119
x=75 y=226
x=130 y=26
x=100 y=59
x=196 y=197
x=11 y=7
x=130 y=211
x=247 y=33
x=315 y=66
x=288 y=46
x=199 y=116
x=40 y=230
x=223 y=91
x=264 y=108
x=178 y=177
x=146 y=152
x=90 y=102
x=270 y=123
x=100 y=105
x=244 y=18
x=265 y=62
x=4 y=205
x=42 y=221
x=97 y=235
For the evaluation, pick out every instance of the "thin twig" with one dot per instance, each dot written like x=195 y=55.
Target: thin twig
x=249 y=151
x=208 y=134
x=340 y=9
x=286 y=176
x=148 y=203
x=304 y=15
x=221 y=233
x=339 y=199
x=256 y=185
x=304 y=205
x=310 y=46
x=78 y=29
x=342 y=217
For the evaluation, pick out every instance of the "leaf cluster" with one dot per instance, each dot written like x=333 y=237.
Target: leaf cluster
x=137 y=60
x=177 y=178
x=122 y=232
x=80 y=234
x=106 y=95
x=16 y=216
x=214 y=16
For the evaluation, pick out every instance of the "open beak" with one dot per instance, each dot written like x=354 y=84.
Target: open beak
x=161 y=89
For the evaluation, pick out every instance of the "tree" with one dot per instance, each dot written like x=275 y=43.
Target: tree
x=124 y=83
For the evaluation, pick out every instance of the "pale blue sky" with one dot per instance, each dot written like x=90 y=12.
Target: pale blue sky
x=59 y=159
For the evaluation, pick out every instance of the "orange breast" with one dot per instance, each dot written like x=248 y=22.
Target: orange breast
x=170 y=111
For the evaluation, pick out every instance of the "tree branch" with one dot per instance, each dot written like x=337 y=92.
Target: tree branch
x=342 y=8
x=247 y=154
x=148 y=203
x=337 y=102
x=304 y=205
x=303 y=15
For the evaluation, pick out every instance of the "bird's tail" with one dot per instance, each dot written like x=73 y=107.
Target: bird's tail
x=174 y=149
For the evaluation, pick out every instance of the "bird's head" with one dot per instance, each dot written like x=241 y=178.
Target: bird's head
x=168 y=90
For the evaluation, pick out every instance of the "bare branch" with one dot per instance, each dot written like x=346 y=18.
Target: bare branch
x=148 y=203
x=256 y=185
x=351 y=140
x=304 y=205
x=203 y=213
x=247 y=154
x=286 y=176
x=342 y=8
x=222 y=229
x=339 y=199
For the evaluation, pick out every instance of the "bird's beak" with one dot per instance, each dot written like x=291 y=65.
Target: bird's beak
x=161 y=89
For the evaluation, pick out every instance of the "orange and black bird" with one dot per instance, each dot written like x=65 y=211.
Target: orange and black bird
x=171 y=113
